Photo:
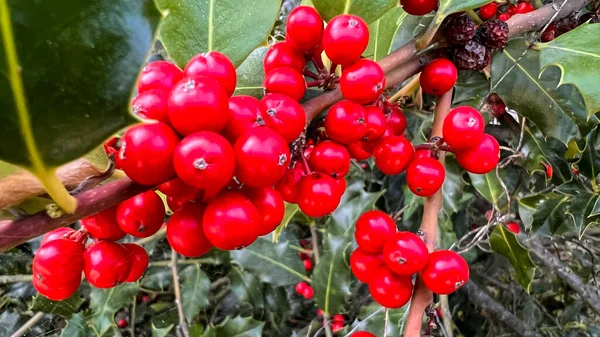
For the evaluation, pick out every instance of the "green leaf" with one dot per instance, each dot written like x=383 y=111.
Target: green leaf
x=77 y=326
x=538 y=150
x=246 y=287
x=448 y=7
x=64 y=308
x=589 y=163
x=505 y=243
x=236 y=327
x=368 y=10
x=577 y=54
x=470 y=89
x=372 y=319
x=549 y=211
x=9 y=321
x=290 y=211
x=198 y=26
x=580 y=212
x=195 y=287
x=251 y=73
x=354 y=203
x=106 y=302
x=273 y=263
x=488 y=186
x=383 y=33
x=161 y=332
x=454 y=186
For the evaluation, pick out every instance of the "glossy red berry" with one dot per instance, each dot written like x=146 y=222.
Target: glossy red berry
x=524 y=7
x=284 y=54
x=345 y=39
x=397 y=121
x=152 y=104
x=389 y=289
x=246 y=113
x=405 y=253
x=122 y=323
x=438 y=76
x=363 y=81
x=269 y=204
x=214 y=65
x=159 y=75
x=146 y=153
x=231 y=221
x=178 y=189
x=330 y=158
x=304 y=28
x=346 y=122
x=60 y=292
x=104 y=225
x=362 y=334
x=284 y=115
x=59 y=233
x=376 y=123
x=106 y=264
x=364 y=264
x=463 y=127
x=308 y=292
x=360 y=150
x=373 y=229
x=338 y=319
x=301 y=287
x=139 y=261
x=318 y=195
x=142 y=215
x=549 y=170
x=340 y=186
x=482 y=158
x=393 y=154
x=262 y=157
x=488 y=11
x=308 y=265
x=445 y=272
x=175 y=203
x=513 y=227
x=336 y=327
x=198 y=104
x=185 y=231
x=423 y=153
x=57 y=268
x=204 y=159
x=511 y=9
x=289 y=183
x=504 y=16
x=419 y=7
x=286 y=81
x=425 y=176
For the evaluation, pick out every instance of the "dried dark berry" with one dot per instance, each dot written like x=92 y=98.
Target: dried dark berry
x=493 y=34
x=591 y=17
x=566 y=24
x=460 y=29
x=471 y=56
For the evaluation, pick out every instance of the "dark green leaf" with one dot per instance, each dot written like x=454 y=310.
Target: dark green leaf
x=77 y=326
x=580 y=211
x=251 y=73
x=549 y=211
x=372 y=319
x=290 y=211
x=538 y=150
x=454 y=187
x=383 y=33
x=354 y=203
x=246 y=288
x=369 y=10
x=197 y=26
x=161 y=332
x=412 y=26
x=470 y=89
x=505 y=243
x=488 y=186
x=236 y=327
x=589 y=164
x=157 y=278
x=195 y=287
x=64 y=308
x=106 y=302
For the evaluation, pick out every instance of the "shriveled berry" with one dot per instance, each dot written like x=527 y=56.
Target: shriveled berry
x=106 y=264
x=363 y=81
x=142 y=215
x=159 y=75
x=425 y=176
x=284 y=54
x=139 y=261
x=482 y=157
x=346 y=122
x=330 y=158
x=364 y=264
x=493 y=34
x=284 y=115
x=286 y=81
x=438 y=77
x=152 y=104
x=445 y=272
x=405 y=253
x=246 y=113
x=185 y=231
x=488 y=11
x=104 y=225
x=460 y=29
x=389 y=289
x=471 y=56
x=419 y=7
x=393 y=154
x=304 y=28
x=345 y=39
x=214 y=65
x=269 y=204
x=318 y=195
x=463 y=127
x=289 y=183
x=373 y=229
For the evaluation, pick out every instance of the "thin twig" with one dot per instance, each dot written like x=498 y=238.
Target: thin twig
x=387 y=322
x=28 y=325
x=132 y=316
x=182 y=323
x=363 y=321
x=6 y=279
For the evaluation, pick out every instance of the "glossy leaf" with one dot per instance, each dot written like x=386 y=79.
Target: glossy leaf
x=246 y=287
x=589 y=163
x=580 y=212
x=505 y=243
x=369 y=10
x=470 y=89
x=195 y=287
x=383 y=33
x=372 y=319
x=488 y=186
x=77 y=326
x=198 y=26
x=538 y=150
x=548 y=211
x=64 y=308
x=9 y=322
x=161 y=332
x=106 y=302
x=251 y=73
x=236 y=327
x=290 y=211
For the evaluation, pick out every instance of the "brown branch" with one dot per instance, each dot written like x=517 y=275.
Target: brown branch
x=536 y=20
x=182 y=327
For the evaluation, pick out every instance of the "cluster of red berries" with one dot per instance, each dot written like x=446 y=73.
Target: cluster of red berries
x=504 y=12
x=386 y=260
x=303 y=288
x=337 y=321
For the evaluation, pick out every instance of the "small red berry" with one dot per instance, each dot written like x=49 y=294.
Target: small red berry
x=104 y=225
x=122 y=323
x=269 y=204
x=549 y=170
x=363 y=81
x=106 y=264
x=159 y=75
x=376 y=123
x=373 y=229
x=346 y=122
x=142 y=215
x=304 y=28
x=330 y=158
x=419 y=7
x=178 y=189
x=320 y=312
x=185 y=232
x=308 y=292
x=389 y=289
x=482 y=158
x=59 y=233
x=345 y=39
x=497 y=105
x=423 y=153
x=246 y=113
x=284 y=115
x=362 y=334
x=438 y=77
x=216 y=66
x=301 y=287
x=336 y=327
x=511 y=9
x=425 y=176
x=393 y=154
x=360 y=150
x=286 y=81
x=524 y=7
x=152 y=104
x=57 y=268
x=284 y=54
x=405 y=253
x=488 y=11
x=340 y=319
x=318 y=195
x=397 y=121
x=288 y=184
x=308 y=265
x=364 y=264
x=139 y=261
x=504 y=16
x=445 y=272
x=463 y=127
x=513 y=227
x=549 y=34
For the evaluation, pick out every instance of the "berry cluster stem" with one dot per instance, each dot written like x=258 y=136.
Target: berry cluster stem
x=183 y=327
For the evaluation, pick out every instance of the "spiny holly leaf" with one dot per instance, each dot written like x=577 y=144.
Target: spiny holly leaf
x=273 y=263
x=538 y=150
x=505 y=243
x=64 y=308
x=488 y=186
x=198 y=26
x=577 y=54
x=372 y=319
x=236 y=327
x=290 y=211
x=544 y=213
x=580 y=212
x=195 y=287
x=247 y=288
x=355 y=202
x=383 y=32
x=251 y=73
x=78 y=326
x=161 y=332
x=106 y=302
x=368 y=10
x=589 y=164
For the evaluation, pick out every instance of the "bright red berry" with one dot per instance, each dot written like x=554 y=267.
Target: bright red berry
x=340 y=186
x=488 y=11
x=345 y=39
x=284 y=54
x=397 y=121
x=360 y=150
x=389 y=289
x=346 y=122
x=364 y=264
x=246 y=113
x=549 y=170
x=504 y=16
x=308 y=265
x=318 y=195
x=482 y=158
x=308 y=292
x=289 y=183
x=152 y=104
x=463 y=127
x=178 y=189
x=376 y=123
x=122 y=323
x=262 y=157
x=511 y=9
x=216 y=66
x=330 y=158
x=301 y=287
x=425 y=176
x=445 y=272
x=419 y=7
x=524 y=7
x=304 y=28
x=284 y=115
x=185 y=232
x=269 y=204
x=175 y=203
x=142 y=215
x=363 y=81
x=336 y=327
x=146 y=153
x=362 y=334
x=198 y=104
x=159 y=75
x=57 y=268
x=59 y=233
x=106 y=264
x=104 y=225
x=405 y=253
x=286 y=81
x=438 y=77
x=139 y=261
x=513 y=227
x=393 y=154
x=373 y=229
x=423 y=153
x=338 y=319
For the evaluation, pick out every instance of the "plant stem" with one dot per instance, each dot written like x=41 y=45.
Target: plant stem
x=182 y=323
x=28 y=325
x=315 y=242
x=310 y=74
x=407 y=90
x=132 y=316
x=181 y=262
x=471 y=13
x=327 y=325
x=6 y=279
x=387 y=322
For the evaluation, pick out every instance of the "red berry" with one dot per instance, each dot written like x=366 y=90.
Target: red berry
x=336 y=327
x=340 y=319
x=346 y=122
x=330 y=158
x=396 y=121
x=139 y=261
x=512 y=9
x=122 y=323
x=185 y=232
x=419 y=7
x=246 y=113
x=301 y=287
x=376 y=123
x=445 y=272
x=497 y=105
x=463 y=127
x=420 y=154
x=269 y=204
x=482 y=158
x=289 y=183
x=362 y=334
x=438 y=77
x=513 y=227
x=524 y=7
x=393 y=154
x=231 y=221
x=425 y=176
x=106 y=264
x=359 y=150
x=286 y=81
x=104 y=225
x=340 y=186
x=363 y=81
x=364 y=264
x=216 y=66
x=175 y=203
x=57 y=268
x=405 y=253
x=142 y=215
x=488 y=11
x=345 y=39
x=159 y=75
x=308 y=265
x=318 y=195
x=178 y=189
x=373 y=229
x=262 y=157
x=146 y=153
x=389 y=289
x=308 y=292
x=152 y=104
x=549 y=170
x=284 y=54
x=504 y=16
x=549 y=34
x=319 y=312
x=198 y=104
x=304 y=28
x=284 y=115
x=56 y=234
x=205 y=159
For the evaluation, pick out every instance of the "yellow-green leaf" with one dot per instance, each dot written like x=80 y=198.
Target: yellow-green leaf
x=368 y=10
